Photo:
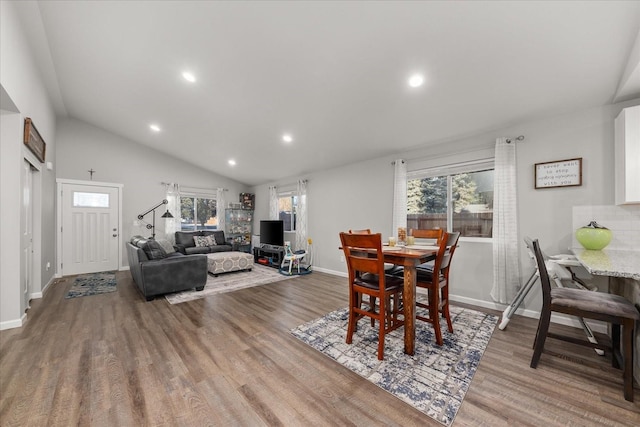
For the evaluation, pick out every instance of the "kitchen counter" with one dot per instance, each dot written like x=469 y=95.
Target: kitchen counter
x=610 y=262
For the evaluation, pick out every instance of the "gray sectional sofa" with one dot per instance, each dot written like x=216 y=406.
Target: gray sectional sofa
x=157 y=269
x=185 y=242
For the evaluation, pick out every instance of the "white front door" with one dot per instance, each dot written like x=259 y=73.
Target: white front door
x=90 y=218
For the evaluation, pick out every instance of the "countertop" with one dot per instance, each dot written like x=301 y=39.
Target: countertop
x=610 y=262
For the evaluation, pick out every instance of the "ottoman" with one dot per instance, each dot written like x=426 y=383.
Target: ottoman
x=225 y=262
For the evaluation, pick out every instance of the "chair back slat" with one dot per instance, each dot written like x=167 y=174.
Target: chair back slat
x=358 y=250
x=451 y=244
x=435 y=234
x=545 y=281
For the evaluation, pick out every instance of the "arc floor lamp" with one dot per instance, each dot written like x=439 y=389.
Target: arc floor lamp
x=152 y=226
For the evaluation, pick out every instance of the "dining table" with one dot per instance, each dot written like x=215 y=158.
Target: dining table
x=409 y=257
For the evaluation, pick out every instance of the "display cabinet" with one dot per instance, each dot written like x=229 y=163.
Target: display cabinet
x=238 y=228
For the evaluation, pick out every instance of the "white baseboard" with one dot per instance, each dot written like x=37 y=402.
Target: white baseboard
x=595 y=325
x=11 y=324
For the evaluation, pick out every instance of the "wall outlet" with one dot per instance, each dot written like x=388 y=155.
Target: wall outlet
x=342 y=258
x=48 y=266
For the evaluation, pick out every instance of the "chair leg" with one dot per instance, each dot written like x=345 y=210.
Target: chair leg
x=627 y=351
x=615 y=345
x=445 y=308
x=434 y=314
x=541 y=336
x=372 y=309
x=383 y=313
x=354 y=302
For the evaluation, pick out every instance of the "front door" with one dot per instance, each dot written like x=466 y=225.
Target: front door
x=90 y=218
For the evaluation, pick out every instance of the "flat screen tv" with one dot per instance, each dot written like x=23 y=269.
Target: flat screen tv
x=272 y=232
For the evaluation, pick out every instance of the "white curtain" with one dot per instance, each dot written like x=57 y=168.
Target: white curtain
x=171 y=225
x=506 y=266
x=273 y=203
x=220 y=206
x=301 y=216
x=399 y=196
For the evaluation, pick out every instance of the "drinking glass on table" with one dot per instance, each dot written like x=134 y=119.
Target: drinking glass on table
x=392 y=241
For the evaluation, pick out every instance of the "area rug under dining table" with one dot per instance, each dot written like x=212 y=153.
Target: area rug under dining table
x=434 y=380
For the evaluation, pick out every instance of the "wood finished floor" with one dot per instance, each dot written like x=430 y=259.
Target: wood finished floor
x=116 y=360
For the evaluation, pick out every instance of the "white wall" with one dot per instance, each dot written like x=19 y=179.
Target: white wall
x=139 y=168
x=360 y=195
x=23 y=89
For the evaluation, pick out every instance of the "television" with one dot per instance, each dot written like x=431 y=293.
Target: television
x=272 y=232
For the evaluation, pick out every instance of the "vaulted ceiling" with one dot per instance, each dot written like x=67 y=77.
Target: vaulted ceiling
x=332 y=75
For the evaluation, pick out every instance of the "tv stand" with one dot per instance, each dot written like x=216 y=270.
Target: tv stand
x=274 y=254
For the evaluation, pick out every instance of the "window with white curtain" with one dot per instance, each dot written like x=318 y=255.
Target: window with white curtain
x=198 y=211
x=456 y=197
x=287 y=209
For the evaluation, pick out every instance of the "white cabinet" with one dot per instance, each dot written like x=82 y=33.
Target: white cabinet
x=627 y=156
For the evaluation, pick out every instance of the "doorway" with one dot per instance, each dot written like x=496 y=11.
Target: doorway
x=90 y=223
x=26 y=228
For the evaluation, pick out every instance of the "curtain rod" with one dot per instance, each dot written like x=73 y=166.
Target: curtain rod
x=519 y=138
x=193 y=188
x=290 y=183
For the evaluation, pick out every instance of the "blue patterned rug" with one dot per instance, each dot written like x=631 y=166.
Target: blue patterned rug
x=93 y=284
x=434 y=381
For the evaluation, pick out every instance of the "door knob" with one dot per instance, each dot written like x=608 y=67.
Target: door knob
x=115 y=235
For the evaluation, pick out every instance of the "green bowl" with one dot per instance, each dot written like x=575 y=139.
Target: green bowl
x=593 y=239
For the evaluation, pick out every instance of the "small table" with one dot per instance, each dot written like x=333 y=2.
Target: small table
x=409 y=257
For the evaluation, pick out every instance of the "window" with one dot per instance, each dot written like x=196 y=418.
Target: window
x=90 y=200
x=457 y=198
x=198 y=212
x=287 y=210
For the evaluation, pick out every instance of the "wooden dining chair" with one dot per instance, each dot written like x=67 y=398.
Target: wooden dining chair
x=613 y=309
x=437 y=285
x=365 y=265
x=434 y=234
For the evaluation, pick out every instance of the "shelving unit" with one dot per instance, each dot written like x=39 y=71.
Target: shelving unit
x=238 y=228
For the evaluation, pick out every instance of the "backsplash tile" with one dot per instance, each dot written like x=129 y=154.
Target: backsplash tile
x=623 y=221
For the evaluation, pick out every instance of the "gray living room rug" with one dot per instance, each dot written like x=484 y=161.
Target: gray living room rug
x=92 y=284
x=229 y=282
x=434 y=381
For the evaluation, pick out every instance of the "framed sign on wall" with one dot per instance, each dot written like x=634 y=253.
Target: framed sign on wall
x=33 y=140
x=559 y=173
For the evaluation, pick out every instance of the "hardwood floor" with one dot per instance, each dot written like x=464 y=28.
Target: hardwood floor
x=116 y=360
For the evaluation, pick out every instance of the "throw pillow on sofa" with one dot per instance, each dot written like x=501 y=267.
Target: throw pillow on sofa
x=201 y=241
x=212 y=240
x=166 y=245
x=153 y=250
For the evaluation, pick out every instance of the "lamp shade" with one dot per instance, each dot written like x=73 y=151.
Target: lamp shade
x=167 y=214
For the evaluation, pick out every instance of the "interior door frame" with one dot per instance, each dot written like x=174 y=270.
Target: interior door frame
x=35 y=290
x=59 y=184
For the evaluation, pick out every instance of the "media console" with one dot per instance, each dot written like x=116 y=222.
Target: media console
x=272 y=253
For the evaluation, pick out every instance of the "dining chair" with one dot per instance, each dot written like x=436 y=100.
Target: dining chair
x=365 y=265
x=613 y=309
x=437 y=285
x=434 y=234
x=388 y=267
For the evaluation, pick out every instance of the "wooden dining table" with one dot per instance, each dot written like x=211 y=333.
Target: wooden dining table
x=409 y=257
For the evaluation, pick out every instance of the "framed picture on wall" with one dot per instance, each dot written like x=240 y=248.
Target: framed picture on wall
x=559 y=173
x=33 y=140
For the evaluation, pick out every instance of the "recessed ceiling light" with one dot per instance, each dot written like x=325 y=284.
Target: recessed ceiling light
x=416 y=80
x=287 y=138
x=189 y=77
x=231 y=162
x=154 y=127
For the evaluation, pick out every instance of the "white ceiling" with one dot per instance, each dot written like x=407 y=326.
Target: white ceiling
x=333 y=74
